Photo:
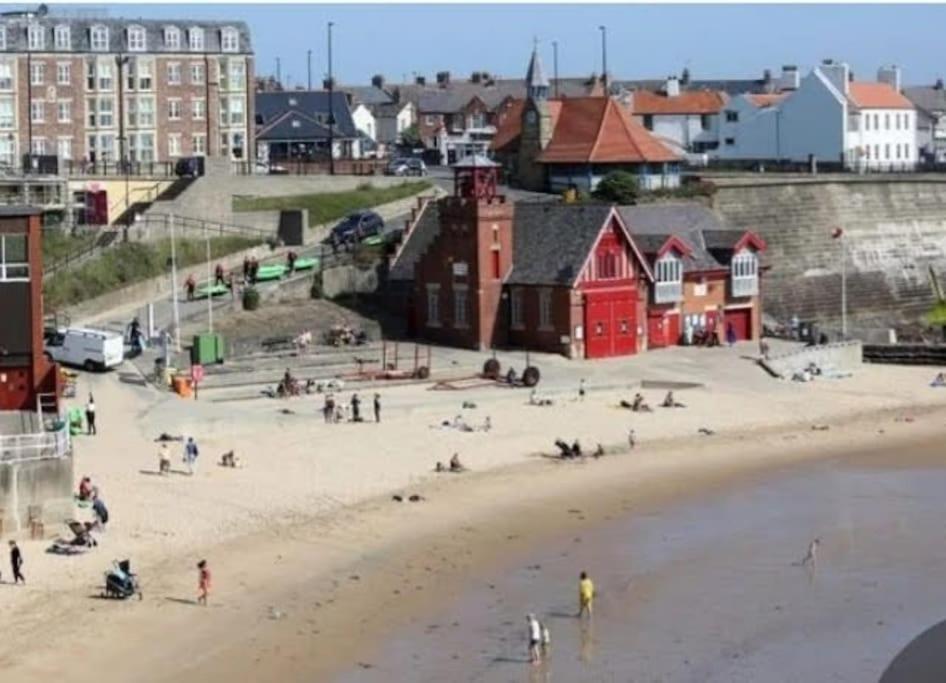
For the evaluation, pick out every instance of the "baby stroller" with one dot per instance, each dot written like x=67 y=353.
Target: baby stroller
x=120 y=582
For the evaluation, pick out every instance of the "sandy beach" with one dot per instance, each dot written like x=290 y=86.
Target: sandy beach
x=315 y=565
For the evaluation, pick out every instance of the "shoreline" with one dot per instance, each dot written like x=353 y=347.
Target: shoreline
x=287 y=602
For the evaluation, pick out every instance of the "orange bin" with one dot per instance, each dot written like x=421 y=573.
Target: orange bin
x=182 y=385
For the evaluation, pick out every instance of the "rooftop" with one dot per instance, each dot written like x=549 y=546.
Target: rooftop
x=876 y=96
x=687 y=102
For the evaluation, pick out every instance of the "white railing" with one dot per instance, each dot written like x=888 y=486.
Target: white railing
x=39 y=446
x=745 y=286
x=668 y=292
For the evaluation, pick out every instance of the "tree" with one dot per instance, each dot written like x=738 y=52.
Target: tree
x=410 y=136
x=619 y=187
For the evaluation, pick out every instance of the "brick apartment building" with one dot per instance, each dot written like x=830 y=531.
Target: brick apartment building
x=98 y=89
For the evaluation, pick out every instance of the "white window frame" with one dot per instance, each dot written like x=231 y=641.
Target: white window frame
x=744 y=273
x=3 y=37
x=60 y=142
x=199 y=149
x=198 y=74
x=172 y=37
x=104 y=76
x=545 y=309
x=517 y=319
x=229 y=40
x=6 y=76
x=64 y=73
x=236 y=118
x=137 y=38
x=98 y=38
x=39 y=146
x=195 y=39
x=236 y=73
x=10 y=105
x=668 y=279
x=7 y=150
x=433 y=304
x=174 y=68
x=175 y=109
x=38 y=107
x=38 y=73
x=461 y=308
x=35 y=37
x=14 y=271
x=64 y=105
x=200 y=115
x=145 y=72
x=62 y=37
x=174 y=140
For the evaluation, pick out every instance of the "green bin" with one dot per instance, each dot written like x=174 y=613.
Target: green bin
x=204 y=349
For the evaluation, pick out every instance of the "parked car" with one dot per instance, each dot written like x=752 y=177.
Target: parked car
x=84 y=347
x=402 y=167
x=396 y=167
x=189 y=167
x=356 y=227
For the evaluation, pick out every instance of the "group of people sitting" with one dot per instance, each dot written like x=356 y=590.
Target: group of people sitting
x=89 y=494
x=454 y=466
x=639 y=405
x=574 y=451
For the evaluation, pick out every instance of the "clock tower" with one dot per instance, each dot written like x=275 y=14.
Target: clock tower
x=536 y=125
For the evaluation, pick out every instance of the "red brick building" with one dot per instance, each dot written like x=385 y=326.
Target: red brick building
x=25 y=371
x=477 y=271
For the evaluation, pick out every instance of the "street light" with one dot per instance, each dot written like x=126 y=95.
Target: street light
x=604 y=57
x=555 y=67
x=838 y=234
x=331 y=105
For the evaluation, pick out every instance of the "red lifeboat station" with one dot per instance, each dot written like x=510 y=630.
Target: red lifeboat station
x=586 y=280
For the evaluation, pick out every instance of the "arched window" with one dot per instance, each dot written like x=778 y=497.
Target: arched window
x=136 y=39
x=98 y=38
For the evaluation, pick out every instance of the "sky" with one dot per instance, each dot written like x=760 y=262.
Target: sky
x=643 y=41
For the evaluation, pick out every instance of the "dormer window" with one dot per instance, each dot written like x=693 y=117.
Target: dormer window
x=136 y=39
x=195 y=39
x=62 y=37
x=229 y=40
x=3 y=37
x=745 y=273
x=668 y=273
x=295 y=123
x=172 y=38
x=98 y=38
x=35 y=37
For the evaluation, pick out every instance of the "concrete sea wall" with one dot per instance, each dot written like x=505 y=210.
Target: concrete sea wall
x=894 y=227
x=46 y=484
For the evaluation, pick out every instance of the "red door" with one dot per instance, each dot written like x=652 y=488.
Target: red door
x=656 y=331
x=741 y=321
x=672 y=328
x=610 y=324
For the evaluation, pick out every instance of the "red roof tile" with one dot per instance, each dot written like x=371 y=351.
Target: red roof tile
x=692 y=102
x=597 y=129
x=767 y=100
x=877 y=96
x=510 y=124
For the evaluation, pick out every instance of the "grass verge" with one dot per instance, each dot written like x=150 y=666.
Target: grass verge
x=58 y=244
x=132 y=262
x=326 y=207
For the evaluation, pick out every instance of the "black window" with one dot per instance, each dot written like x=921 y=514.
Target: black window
x=732 y=116
x=705 y=121
x=730 y=141
x=649 y=121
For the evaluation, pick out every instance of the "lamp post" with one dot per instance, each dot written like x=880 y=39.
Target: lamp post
x=120 y=61
x=308 y=69
x=555 y=67
x=604 y=56
x=838 y=234
x=331 y=105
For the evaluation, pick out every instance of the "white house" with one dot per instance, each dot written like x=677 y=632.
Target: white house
x=686 y=121
x=829 y=118
x=364 y=120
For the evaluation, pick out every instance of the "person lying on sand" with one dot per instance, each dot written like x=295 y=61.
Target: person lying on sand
x=671 y=402
x=939 y=380
x=639 y=405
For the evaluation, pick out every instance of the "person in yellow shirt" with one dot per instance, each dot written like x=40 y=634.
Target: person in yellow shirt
x=586 y=594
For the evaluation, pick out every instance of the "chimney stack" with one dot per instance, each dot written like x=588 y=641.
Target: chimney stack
x=837 y=74
x=890 y=75
x=420 y=80
x=939 y=84
x=790 y=78
x=672 y=86
x=377 y=81
x=443 y=78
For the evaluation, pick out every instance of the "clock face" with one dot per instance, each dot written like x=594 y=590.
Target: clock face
x=530 y=117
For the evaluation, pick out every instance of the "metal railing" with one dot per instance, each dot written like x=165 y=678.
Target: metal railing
x=17 y=448
x=119 y=169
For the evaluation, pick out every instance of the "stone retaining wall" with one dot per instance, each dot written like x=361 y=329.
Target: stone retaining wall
x=843 y=356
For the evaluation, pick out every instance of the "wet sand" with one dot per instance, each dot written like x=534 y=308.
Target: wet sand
x=707 y=589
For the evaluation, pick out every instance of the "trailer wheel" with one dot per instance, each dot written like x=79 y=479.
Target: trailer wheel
x=491 y=369
x=423 y=372
x=530 y=376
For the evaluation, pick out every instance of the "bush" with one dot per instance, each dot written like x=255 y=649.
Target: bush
x=364 y=187
x=619 y=187
x=251 y=299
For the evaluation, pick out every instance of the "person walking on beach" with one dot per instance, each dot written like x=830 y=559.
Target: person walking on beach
x=190 y=454
x=535 y=638
x=164 y=459
x=631 y=438
x=581 y=389
x=586 y=594
x=811 y=556
x=377 y=407
x=90 y=416
x=203 y=582
x=16 y=562
x=355 y=408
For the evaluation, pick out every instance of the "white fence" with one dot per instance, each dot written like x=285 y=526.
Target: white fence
x=24 y=447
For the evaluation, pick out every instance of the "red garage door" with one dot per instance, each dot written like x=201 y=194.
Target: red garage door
x=663 y=329
x=741 y=321
x=610 y=324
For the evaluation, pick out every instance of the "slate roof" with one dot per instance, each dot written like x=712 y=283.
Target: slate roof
x=292 y=125
x=451 y=99
x=730 y=86
x=551 y=242
x=422 y=235
x=928 y=98
x=312 y=104
x=599 y=130
x=876 y=96
x=80 y=34
x=535 y=74
x=367 y=94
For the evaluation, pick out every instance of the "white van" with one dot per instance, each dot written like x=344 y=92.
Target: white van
x=86 y=348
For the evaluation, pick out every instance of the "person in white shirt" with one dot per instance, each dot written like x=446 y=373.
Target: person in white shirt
x=90 y=416
x=535 y=638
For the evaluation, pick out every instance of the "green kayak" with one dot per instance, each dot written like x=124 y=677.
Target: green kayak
x=373 y=241
x=274 y=272
x=210 y=290
x=306 y=263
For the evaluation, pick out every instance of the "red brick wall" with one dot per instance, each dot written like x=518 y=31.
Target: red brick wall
x=530 y=336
